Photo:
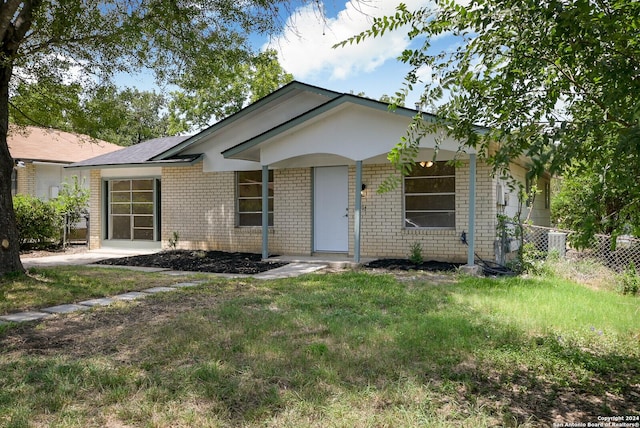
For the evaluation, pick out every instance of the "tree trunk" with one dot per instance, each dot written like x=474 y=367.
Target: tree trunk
x=9 y=244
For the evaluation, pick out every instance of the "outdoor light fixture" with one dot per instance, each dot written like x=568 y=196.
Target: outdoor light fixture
x=426 y=164
x=20 y=164
x=364 y=187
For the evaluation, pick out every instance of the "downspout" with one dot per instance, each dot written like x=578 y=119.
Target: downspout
x=358 y=210
x=265 y=211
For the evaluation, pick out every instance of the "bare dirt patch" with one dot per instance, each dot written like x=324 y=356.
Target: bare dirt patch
x=99 y=332
x=53 y=251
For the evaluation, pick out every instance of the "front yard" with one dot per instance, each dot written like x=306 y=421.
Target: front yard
x=347 y=349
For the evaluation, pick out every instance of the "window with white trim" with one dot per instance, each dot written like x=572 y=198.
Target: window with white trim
x=249 y=198
x=430 y=196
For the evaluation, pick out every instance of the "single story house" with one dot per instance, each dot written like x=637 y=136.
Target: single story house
x=40 y=156
x=296 y=173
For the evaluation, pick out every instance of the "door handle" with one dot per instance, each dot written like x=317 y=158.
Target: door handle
x=347 y=213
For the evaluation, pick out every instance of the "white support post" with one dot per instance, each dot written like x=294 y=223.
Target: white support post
x=265 y=211
x=358 y=211
x=472 y=211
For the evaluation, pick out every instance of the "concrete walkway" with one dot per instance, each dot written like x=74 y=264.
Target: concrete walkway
x=81 y=258
x=87 y=258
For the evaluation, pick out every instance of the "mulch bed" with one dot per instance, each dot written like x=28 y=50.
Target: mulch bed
x=199 y=261
x=405 y=264
x=250 y=263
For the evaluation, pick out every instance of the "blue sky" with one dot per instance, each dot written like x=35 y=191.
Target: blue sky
x=305 y=48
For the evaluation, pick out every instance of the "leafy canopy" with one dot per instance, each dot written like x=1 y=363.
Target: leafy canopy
x=123 y=117
x=58 y=41
x=207 y=97
x=555 y=81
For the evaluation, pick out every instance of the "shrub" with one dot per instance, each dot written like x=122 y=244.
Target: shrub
x=173 y=241
x=39 y=222
x=72 y=202
x=530 y=260
x=628 y=281
x=415 y=254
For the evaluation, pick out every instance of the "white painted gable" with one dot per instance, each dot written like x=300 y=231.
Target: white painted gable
x=249 y=126
x=302 y=126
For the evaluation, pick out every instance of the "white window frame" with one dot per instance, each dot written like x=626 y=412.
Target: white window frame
x=239 y=198
x=406 y=224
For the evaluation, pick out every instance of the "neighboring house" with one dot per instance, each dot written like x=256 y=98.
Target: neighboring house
x=321 y=155
x=40 y=156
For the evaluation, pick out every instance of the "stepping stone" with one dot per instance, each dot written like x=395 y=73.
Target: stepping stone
x=25 y=316
x=103 y=301
x=132 y=295
x=154 y=290
x=65 y=309
x=178 y=272
x=187 y=284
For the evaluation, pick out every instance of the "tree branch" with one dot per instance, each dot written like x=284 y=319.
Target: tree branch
x=26 y=116
x=584 y=91
x=7 y=11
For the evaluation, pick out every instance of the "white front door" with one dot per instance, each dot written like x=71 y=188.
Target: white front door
x=331 y=209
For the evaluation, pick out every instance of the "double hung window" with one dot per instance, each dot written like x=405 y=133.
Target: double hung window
x=430 y=196
x=249 y=198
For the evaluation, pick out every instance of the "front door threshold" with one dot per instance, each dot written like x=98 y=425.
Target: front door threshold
x=334 y=260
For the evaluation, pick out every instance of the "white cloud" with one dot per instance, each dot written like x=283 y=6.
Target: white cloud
x=305 y=47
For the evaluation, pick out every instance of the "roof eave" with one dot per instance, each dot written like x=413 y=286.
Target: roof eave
x=295 y=85
x=145 y=164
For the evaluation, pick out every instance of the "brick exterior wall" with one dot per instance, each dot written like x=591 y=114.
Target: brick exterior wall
x=293 y=211
x=96 y=209
x=382 y=229
x=26 y=179
x=201 y=207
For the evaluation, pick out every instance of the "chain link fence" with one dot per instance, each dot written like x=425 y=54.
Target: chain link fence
x=545 y=241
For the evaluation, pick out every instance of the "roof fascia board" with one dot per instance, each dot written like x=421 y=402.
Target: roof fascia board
x=146 y=164
x=292 y=86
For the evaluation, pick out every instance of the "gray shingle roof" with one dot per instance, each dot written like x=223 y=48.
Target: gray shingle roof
x=138 y=153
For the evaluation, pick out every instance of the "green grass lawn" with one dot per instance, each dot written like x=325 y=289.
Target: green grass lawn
x=43 y=287
x=331 y=350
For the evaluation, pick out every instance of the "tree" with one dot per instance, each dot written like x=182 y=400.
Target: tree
x=48 y=40
x=123 y=117
x=207 y=97
x=47 y=103
x=556 y=81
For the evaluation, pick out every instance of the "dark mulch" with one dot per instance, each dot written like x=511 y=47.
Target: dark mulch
x=405 y=264
x=199 y=261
